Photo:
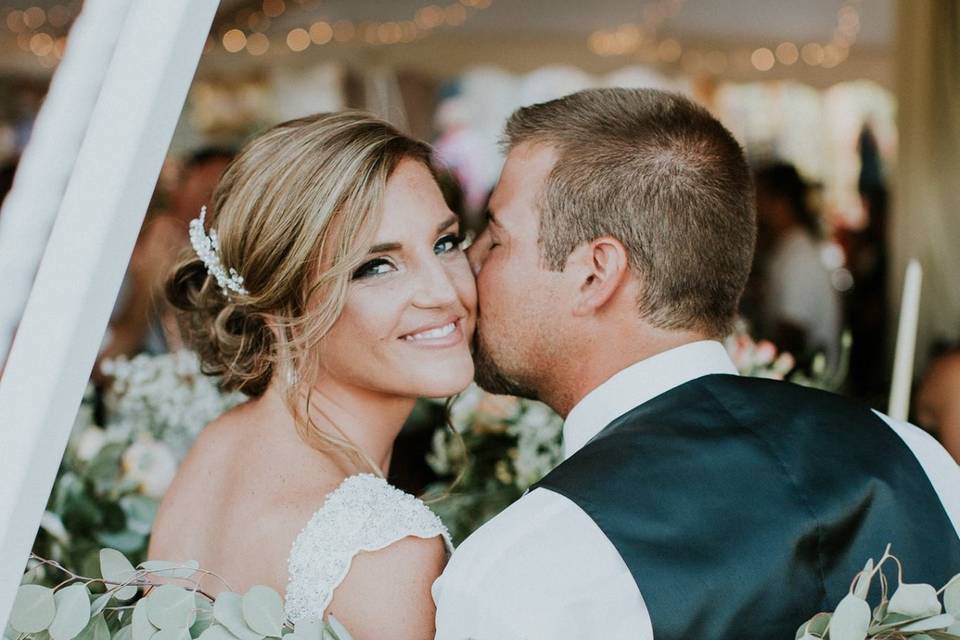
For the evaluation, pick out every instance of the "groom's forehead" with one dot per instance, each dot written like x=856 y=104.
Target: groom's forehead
x=525 y=170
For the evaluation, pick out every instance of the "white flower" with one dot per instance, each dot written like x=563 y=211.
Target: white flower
x=89 y=443
x=151 y=464
x=166 y=396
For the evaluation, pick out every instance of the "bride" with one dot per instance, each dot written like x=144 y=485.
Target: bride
x=330 y=287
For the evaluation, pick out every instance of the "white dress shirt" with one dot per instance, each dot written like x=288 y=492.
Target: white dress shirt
x=542 y=569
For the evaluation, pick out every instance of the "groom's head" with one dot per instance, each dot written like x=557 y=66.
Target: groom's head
x=621 y=216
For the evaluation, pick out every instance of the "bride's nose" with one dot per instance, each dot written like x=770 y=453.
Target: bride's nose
x=435 y=286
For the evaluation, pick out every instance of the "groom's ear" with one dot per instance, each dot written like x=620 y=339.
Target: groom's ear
x=603 y=270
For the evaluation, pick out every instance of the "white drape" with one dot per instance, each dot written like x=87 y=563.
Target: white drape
x=926 y=217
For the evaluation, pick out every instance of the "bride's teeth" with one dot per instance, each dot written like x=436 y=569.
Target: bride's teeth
x=433 y=334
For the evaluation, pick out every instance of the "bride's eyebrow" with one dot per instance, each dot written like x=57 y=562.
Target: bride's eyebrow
x=396 y=246
x=446 y=224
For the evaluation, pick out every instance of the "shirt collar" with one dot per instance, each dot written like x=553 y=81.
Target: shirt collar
x=639 y=383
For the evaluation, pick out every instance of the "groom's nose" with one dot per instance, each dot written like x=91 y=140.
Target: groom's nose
x=477 y=252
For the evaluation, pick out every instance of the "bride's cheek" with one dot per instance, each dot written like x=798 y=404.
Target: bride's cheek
x=465 y=283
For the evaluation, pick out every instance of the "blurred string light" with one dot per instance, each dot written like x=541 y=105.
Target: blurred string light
x=256 y=30
x=641 y=40
x=41 y=31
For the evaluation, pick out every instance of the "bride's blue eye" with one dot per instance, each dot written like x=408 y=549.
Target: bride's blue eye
x=447 y=243
x=373 y=268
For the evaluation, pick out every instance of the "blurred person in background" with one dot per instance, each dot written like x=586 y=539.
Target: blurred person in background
x=865 y=304
x=938 y=400
x=141 y=321
x=799 y=309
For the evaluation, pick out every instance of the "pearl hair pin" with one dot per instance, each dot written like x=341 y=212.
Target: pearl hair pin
x=207 y=248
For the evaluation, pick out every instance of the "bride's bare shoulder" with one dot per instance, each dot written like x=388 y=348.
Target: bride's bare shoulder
x=398 y=578
x=238 y=489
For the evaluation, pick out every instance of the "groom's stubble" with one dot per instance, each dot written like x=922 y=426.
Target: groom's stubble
x=490 y=375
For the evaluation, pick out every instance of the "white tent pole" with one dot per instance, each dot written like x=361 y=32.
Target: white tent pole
x=102 y=210
x=45 y=167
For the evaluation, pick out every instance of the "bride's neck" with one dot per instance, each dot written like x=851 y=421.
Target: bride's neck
x=371 y=421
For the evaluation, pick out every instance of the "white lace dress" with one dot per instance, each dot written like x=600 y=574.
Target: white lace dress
x=364 y=513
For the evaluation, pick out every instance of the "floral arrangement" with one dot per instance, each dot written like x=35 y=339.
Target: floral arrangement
x=140 y=603
x=500 y=447
x=113 y=475
x=503 y=445
x=913 y=611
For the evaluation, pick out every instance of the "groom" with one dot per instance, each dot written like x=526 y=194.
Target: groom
x=691 y=503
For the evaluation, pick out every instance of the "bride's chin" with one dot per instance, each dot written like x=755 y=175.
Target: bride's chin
x=449 y=382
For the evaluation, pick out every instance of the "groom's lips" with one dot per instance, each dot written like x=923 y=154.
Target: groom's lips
x=437 y=335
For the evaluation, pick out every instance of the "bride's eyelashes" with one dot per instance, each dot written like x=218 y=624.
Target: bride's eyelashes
x=375 y=267
x=449 y=243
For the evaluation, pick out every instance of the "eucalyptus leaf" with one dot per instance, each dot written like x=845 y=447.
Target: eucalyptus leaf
x=33 y=609
x=228 y=611
x=216 y=632
x=941 y=621
x=171 y=608
x=880 y=612
x=142 y=628
x=339 y=631
x=204 y=615
x=818 y=624
x=862 y=587
x=182 y=570
x=96 y=629
x=124 y=633
x=951 y=596
x=172 y=634
x=73 y=612
x=115 y=568
x=100 y=603
x=263 y=611
x=851 y=619
x=309 y=629
x=915 y=600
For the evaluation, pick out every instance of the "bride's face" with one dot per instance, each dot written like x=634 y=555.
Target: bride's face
x=410 y=311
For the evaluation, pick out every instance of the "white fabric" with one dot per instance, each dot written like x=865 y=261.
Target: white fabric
x=364 y=513
x=543 y=569
x=800 y=292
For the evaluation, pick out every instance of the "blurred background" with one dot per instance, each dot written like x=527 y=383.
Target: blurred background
x=849 y=111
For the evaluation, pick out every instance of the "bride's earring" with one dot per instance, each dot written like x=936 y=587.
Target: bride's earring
x=291 y=375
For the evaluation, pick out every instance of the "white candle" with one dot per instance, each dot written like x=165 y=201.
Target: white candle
x=906 y=342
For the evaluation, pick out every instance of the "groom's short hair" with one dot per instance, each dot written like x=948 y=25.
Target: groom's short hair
x=665 y=178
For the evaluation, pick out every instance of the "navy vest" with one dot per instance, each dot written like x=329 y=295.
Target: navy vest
x=742 y=506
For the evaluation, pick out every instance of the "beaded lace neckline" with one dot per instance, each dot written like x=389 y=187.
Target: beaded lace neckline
x=364 y=513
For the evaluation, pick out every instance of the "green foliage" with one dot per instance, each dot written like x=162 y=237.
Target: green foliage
x=914 y=610
x=114 y=472
x=161 y=611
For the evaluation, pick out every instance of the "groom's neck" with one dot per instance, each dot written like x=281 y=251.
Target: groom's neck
x=601 y=358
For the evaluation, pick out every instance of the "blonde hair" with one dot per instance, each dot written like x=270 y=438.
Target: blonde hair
x=295 y=213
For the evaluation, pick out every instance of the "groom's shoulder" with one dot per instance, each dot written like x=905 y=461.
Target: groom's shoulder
x=528 y=524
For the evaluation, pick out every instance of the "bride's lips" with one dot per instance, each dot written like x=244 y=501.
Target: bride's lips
x=436 y=336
